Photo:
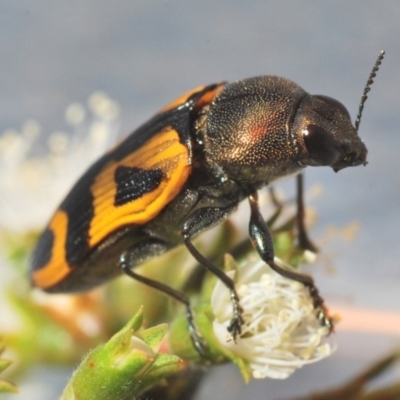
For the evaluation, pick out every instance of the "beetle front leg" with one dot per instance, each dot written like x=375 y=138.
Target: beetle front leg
x=202 y=219
x=304 y=241
x=261 y=239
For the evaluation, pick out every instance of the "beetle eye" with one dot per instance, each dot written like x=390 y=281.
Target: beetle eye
x=320 y=145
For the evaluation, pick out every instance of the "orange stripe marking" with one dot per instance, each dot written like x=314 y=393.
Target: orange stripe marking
x=209 y=96
x=57 y=268
x=163 y=151
x=181 y=99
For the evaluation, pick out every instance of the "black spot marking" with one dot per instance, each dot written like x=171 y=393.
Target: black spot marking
x=133 y=183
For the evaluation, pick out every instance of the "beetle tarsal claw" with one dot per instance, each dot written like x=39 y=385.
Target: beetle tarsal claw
x=235 y=325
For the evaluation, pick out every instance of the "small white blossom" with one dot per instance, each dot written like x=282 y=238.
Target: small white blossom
x=281 y=331
x=37 y=169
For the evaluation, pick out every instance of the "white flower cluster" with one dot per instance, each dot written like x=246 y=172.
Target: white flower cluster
x=281 y=331
x=36 y=170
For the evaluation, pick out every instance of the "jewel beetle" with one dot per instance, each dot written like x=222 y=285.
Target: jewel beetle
x=185 y=171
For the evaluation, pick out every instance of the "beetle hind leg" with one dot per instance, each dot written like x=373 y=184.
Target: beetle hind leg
x=137 y=254
x=235 y=325
x=202 y=219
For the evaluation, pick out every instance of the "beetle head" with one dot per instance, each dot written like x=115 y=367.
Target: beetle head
x=322 y=127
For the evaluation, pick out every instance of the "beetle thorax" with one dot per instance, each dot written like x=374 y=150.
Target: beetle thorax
x=245 y=130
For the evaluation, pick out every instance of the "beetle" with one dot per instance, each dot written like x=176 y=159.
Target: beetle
x=185 y=171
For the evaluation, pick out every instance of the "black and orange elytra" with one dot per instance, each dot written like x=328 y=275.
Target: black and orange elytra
x=186 y=170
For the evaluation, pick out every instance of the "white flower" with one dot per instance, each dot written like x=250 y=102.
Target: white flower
x=37 y=170
x=281 y=331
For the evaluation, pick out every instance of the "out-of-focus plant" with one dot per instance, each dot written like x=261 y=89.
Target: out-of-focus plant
x=5 y=386
x=358 y=387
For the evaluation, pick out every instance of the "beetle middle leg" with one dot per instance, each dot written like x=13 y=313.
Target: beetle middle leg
x=146 y=250
x=261 y=239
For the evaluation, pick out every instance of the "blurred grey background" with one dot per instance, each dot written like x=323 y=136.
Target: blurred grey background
x=145 y=53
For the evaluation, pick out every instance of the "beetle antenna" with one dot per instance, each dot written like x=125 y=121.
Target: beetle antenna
x=368 y=87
